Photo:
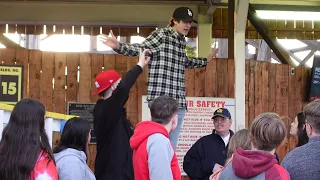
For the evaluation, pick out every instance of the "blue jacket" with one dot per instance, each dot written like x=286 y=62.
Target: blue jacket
x=71 y=165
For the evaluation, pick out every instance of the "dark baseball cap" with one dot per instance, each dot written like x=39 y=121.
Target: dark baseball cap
x=184 y=14
x=222 y=112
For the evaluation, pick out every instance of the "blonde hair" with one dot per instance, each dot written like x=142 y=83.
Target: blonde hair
x=240 y=139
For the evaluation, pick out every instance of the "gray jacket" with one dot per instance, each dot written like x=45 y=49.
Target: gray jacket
x=71 y=165
x=303 y=162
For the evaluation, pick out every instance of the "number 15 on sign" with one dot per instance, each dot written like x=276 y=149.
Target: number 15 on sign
x=11 y=84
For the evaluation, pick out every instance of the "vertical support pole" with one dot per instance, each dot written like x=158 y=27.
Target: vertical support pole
x=1 y=122
x=204 y=32
x=231 y=6
x=204 y=39
x=241 y=13
x=49 y=129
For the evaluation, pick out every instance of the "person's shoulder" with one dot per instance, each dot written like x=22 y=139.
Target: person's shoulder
x=163 y=31
x=103 y=104
x=158 y=137
x=160 y=142
x=205 y=139
x=297 y=151
x=44 y=166
x=227 y=172
x=293 y=156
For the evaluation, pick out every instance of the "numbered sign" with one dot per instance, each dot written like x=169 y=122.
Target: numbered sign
x=11 y=81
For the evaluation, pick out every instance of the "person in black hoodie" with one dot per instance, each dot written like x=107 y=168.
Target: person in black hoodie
x=113 y=130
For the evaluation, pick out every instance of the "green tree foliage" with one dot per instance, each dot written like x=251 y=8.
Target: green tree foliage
x=190 y=52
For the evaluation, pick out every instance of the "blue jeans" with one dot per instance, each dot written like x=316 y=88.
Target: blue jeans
x=174 y=135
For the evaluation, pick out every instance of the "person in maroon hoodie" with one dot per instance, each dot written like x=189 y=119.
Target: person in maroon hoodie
x=153 y=155
x=267 y=132
x=113 y=130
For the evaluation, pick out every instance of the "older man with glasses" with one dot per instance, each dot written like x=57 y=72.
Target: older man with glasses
x=303 y=162
x=210 y=152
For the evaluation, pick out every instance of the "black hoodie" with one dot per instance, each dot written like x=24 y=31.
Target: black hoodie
x=113 y=132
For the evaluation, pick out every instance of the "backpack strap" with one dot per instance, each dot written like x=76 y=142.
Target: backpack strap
x=282 y=172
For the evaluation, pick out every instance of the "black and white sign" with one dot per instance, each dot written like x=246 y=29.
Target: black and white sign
x=84 y=111
x=315 y=79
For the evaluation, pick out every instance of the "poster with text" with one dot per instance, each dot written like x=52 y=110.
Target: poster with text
x=197 y=121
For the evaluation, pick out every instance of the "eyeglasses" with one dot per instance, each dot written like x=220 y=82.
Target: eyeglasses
x=222 y=120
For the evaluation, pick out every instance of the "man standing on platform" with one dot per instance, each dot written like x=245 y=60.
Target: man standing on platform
x=168 y=61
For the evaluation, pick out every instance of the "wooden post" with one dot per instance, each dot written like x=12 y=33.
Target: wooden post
x=231 y=5
x=241 y=9
x=1 y=122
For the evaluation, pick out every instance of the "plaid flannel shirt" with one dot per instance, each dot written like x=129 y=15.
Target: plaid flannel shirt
x=168 y=63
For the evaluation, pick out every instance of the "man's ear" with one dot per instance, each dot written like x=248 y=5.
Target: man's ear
x=174 y=120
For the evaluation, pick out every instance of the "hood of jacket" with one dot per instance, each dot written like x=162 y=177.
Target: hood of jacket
x=249 y=163
x=70 y=152
x=144 y=130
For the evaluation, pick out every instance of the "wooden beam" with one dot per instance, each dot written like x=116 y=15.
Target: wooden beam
x=286 y=2
x=231 y=9
x=8 y=43
x=275 y=57
x=294 y=56
x=307 y=58
x=271 y=41
x=300 y=49
x=288 y=7
x=79 y=13
x=212 y=5
x=253 y=43
x=314 y=45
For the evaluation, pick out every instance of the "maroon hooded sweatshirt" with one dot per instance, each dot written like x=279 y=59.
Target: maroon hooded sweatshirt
x=255 y=165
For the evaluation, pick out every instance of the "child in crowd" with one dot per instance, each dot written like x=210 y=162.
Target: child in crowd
x=71 y=153
x=25 y=152
x=153 y=155
x=240 y=139
x=267 y=132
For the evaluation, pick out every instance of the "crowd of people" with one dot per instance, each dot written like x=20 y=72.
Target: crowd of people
x=148 y=151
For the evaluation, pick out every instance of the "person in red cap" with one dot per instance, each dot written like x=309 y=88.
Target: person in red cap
x=113 y=130
x=168 y=61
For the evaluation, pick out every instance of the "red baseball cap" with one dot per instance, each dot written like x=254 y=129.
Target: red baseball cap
x=105 y=80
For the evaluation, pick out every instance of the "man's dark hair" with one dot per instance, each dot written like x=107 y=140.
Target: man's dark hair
x=163 y=108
